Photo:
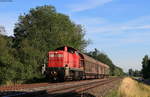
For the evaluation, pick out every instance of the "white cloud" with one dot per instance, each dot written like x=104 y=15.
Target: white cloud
x=101 y=30
x=90 y=21
x=8 y=22
x=118 y=29
x=87 y=4
x=97 y=25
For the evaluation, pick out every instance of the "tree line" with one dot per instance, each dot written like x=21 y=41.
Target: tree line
x=136 y=73
x=40 y=30
x=100 y=56
x=144 y=72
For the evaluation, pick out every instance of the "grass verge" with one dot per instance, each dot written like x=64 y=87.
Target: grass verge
x=113 y=93
x=130 y=88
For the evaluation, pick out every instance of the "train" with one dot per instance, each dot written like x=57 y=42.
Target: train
x=68 y=63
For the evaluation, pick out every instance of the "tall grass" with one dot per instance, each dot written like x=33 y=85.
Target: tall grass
x=131 y=88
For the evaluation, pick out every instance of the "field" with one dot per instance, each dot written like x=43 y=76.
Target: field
x=130 y=88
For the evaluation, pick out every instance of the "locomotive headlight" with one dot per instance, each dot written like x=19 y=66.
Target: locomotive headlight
x=55 y=73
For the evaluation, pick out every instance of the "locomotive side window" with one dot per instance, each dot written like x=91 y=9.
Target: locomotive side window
x=71 y=50
x=60 y=55
x=76 y=53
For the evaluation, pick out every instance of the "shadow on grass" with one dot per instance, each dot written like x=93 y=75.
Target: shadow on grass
x=42 y=93
x=37 y=80
x=21 y=93
x=144 y=81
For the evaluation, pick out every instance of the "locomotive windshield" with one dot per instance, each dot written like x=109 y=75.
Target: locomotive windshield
x=55 y=55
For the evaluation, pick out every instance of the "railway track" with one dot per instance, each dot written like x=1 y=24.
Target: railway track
x=54 y=89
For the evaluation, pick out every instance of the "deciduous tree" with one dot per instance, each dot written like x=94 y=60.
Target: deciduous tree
x=41 y=30
x=146 y=67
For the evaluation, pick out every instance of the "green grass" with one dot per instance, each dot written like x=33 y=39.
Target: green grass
x=113 y=93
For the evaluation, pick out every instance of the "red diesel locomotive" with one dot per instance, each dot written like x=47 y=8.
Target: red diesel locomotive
x=68 y=63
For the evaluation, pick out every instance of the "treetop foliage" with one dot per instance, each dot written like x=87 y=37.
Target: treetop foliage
x=45 y=25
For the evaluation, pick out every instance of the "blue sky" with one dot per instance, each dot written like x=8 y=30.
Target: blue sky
x=120 y=28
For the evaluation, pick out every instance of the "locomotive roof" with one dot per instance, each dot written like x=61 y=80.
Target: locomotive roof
x=68 y=47
x=88 y=58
